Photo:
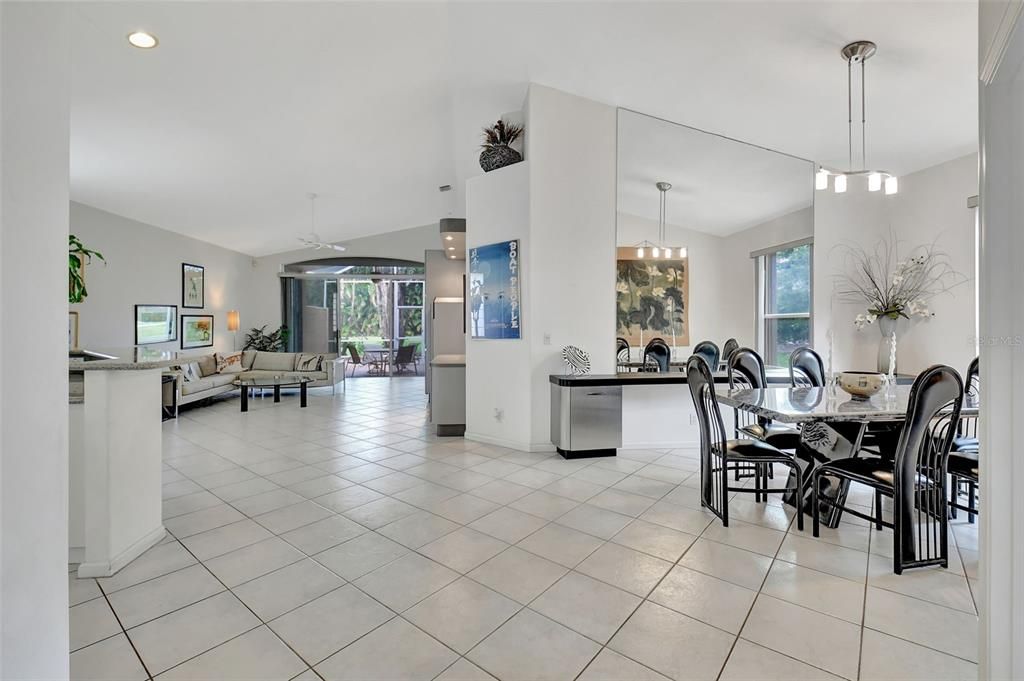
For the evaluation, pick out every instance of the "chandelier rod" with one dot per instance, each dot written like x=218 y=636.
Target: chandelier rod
x=863 y=116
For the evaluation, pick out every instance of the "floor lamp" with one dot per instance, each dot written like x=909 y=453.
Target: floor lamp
x=233 y=327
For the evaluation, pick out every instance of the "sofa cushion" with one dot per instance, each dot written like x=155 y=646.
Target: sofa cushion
x=247 y=358
x=230 y=363
x=191 y=373
x=207 y=383
x=274 y=361
x=306 y=362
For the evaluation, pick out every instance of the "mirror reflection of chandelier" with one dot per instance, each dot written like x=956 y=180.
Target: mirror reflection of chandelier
x=659 y=249
x=856 y=53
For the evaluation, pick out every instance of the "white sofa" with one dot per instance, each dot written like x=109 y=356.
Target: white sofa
x=254 y=364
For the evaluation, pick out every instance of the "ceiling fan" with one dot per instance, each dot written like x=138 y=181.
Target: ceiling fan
x=313 y=240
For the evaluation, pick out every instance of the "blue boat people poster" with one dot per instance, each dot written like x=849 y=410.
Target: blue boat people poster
x=494 y=291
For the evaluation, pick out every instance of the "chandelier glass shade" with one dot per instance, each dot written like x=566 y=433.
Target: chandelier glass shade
x=856 y=53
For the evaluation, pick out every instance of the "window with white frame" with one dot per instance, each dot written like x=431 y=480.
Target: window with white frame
x=784 y=277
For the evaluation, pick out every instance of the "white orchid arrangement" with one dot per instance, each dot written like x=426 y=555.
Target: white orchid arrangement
x=892 y=287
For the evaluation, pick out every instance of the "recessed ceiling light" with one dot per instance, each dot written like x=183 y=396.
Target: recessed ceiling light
x=453 y=257
x=143 y=40
x=451 y=248
x=449 y=238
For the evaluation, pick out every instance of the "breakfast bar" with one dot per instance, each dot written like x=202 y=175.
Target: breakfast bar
x=115 y=457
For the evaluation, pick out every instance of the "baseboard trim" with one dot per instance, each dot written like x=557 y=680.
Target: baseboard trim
x=510 y=444
x=100 y=569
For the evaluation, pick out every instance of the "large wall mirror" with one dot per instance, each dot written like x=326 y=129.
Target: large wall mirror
x=714 y=241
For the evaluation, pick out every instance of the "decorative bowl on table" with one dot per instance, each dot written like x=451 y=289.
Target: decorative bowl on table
x=861 y=385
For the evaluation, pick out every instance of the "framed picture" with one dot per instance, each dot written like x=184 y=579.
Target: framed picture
x=652 y=298
x=192 y=292
x=196 y=331
x=72 y=330
x=494 y=291
x=156 y=324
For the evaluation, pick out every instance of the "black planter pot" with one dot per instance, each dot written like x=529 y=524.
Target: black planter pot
x=492 y=158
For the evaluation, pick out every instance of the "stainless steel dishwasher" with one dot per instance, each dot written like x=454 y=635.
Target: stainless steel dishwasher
x=586 y=421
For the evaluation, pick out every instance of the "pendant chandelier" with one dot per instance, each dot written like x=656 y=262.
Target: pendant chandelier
x=659 y=249
x=856 y=53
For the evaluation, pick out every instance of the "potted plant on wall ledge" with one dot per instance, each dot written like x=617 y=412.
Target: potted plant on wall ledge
x=496 y=150
x=893 y=288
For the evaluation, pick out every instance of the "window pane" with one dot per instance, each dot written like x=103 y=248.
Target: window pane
x=789 y=280
x=783 y=336
x=410 y=293
x=410 y=322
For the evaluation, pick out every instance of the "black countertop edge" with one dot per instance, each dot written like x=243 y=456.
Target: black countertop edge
x=657 y=378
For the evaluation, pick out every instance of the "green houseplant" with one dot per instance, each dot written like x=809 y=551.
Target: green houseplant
x=259 y=339
x=78 y=257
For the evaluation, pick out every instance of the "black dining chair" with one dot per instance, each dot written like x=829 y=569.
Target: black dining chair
x=709 y=351
x=963 y=459
x=806 y=370
x=915 y=480
x=657 y=354
x=731 y=346
x=621 y=351
x=719 y=454
x=746 y=370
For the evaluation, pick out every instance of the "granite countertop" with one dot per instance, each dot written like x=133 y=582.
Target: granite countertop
x=448 y=361
x=121 y=360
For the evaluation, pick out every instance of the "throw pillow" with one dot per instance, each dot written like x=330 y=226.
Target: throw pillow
x=230 y=363
x=309 y=362
x=207 y=365
x=190 y=371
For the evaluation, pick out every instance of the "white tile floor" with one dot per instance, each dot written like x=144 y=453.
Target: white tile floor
x=343 y=541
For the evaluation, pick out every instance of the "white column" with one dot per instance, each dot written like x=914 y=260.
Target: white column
x=35 y=70
x=1001 y=280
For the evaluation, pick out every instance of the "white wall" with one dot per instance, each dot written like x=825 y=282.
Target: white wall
x=572 y=153
x=406 y=244
x=561 y=204
x=34 y=129
x=498 y=371
x=930 y=206
x=144 y=267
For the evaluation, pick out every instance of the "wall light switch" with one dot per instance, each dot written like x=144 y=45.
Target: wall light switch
x=693 y=419
x=547 y=339
x=499 y=414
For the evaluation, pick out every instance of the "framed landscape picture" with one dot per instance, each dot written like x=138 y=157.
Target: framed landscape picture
x=156 y=324
x=494 y=291
x=196 y=331
x=192 y=283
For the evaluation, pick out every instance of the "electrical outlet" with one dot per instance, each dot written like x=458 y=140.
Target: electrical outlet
x=499 y=414
x=547 y=339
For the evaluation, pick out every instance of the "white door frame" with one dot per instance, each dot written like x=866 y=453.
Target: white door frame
x=1001 y=279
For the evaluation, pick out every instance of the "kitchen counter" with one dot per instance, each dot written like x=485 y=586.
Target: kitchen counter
x=448 y=361
x=114 y=449
x=129 y=359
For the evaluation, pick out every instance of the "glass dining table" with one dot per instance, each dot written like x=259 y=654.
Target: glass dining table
x=848 y=420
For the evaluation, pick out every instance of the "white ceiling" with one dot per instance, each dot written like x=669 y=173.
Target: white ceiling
x=245 y=107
